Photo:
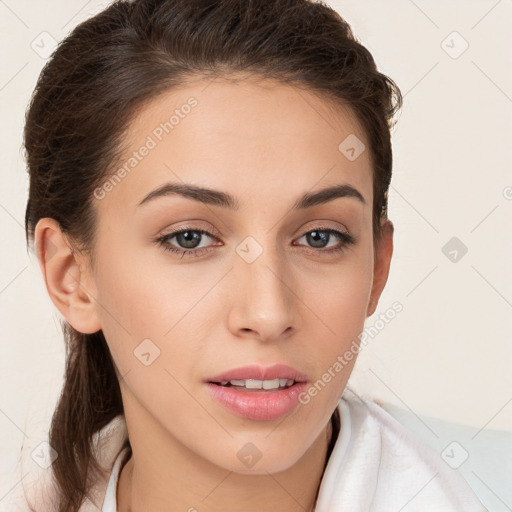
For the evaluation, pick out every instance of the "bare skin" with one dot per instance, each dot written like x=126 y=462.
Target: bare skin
x=266 y=144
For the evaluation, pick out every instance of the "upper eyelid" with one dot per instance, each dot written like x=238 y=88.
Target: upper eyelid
x=215 y=233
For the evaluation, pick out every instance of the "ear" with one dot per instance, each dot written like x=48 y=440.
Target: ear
x=64 y=272
x=382 y=262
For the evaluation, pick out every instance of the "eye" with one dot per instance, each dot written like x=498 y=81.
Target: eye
x=188 y=241
x=319 y=238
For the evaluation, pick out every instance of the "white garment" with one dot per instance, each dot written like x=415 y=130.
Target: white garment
x=110 y=502
x=376 y=466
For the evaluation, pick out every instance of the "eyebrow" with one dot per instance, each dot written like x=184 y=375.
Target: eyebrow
x=222 y=199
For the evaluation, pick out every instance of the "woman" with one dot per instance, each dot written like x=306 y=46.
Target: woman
x=208 y=200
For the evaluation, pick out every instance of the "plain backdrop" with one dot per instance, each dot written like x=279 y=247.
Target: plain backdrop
x=448 y=354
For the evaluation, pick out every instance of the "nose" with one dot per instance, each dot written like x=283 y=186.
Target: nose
x=264 y=303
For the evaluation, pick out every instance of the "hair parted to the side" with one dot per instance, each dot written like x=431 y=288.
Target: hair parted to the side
x=106 y=70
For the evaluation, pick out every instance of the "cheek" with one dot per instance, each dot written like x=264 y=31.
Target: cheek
x=150 y=326
x=152 y=309
x=341 y=306
x=131 y=290
x=344 y=303
x=341 y=296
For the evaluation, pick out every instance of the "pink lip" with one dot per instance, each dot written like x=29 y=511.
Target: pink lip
x=260 y=405
x=277 y=371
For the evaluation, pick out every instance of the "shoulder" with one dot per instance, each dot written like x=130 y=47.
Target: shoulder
x=35 y=489
x=379 y=463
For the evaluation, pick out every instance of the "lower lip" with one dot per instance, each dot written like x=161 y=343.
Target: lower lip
x=258 y=405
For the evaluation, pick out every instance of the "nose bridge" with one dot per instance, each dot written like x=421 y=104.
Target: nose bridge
x=264 y=301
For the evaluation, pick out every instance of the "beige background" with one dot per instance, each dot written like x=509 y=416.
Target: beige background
x=448 y=353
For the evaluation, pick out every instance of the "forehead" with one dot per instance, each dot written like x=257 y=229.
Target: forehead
x=253 y=136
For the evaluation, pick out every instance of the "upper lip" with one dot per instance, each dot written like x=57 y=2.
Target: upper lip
x=257 y=372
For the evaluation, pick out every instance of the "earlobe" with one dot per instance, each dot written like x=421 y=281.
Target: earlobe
x=64 y=276
x=381 y=265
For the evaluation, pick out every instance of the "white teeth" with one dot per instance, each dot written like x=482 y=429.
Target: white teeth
x=254 y=384
x=224 y=382
x=261 y=384
x=271 y=384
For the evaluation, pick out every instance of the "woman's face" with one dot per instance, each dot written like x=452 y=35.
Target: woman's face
x=268 y=283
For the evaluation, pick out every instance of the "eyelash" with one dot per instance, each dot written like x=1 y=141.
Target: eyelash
x=345 y=238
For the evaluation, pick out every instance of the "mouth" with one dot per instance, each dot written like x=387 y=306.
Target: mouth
x=256 y=385
x=258 y=393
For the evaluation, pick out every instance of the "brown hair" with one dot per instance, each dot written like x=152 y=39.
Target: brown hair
x=106 y=70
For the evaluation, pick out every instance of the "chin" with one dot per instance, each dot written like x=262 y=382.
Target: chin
x=260 y=457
